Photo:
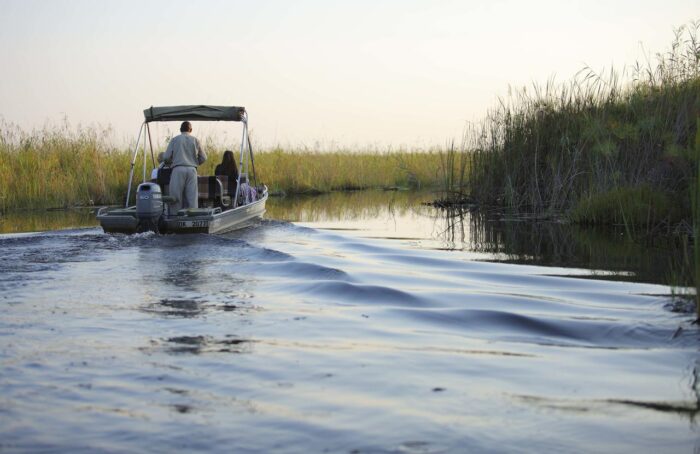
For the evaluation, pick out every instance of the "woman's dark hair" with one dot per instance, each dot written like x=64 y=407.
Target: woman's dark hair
x=228 y=165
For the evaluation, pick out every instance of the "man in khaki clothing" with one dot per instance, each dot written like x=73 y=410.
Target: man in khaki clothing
x=184 y=154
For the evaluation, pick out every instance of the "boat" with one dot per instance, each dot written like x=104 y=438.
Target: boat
x=225 y=204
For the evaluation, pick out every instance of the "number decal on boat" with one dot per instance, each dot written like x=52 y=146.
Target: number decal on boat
x=192 y=224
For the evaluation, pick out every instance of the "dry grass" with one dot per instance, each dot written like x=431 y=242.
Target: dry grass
x=62 y=167
x=302 y=171
x=59 y=167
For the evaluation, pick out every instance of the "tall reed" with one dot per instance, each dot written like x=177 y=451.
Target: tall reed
x=55 y=167
x=305 y=171
x=695 y=194
x=61 y=166
x=600 y=149
x=589 y=147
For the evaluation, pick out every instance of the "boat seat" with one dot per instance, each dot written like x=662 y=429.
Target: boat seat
x=163 y=180
x=217 y=191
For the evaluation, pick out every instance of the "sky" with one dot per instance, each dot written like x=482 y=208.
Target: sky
x=311 y=73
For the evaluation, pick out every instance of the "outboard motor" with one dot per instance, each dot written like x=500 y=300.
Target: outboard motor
x=149 y=207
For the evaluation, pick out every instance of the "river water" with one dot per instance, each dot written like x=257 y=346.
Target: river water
x=358 y=323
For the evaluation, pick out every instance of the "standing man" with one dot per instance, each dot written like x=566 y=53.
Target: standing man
x=184 y=154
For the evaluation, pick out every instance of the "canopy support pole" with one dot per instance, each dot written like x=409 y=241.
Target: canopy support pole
x=145 y=133
x=133 y=162
x=150 y=142
x=242 y=168
x=250 y=152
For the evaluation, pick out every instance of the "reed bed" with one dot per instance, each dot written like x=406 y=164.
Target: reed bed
x=301 y=171
x=59 y=167
x=617 y=148
x=62 y=167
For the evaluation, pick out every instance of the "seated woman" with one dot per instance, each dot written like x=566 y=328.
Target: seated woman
x=227 y=166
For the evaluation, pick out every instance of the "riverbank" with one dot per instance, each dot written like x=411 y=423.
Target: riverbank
x=602 y=149
x=60 y=167
x=619 y=149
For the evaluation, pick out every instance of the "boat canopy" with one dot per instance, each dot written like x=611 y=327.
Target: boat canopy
x=194 y=113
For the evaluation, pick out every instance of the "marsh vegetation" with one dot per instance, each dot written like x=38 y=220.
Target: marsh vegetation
x=62 y=167
x=611 y=148
x=619 y=149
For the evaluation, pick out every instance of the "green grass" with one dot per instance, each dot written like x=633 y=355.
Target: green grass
x=301 y=171
x=629 y=206
x=61 y=167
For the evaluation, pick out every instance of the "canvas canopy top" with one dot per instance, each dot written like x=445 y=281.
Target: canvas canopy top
x=194 y=113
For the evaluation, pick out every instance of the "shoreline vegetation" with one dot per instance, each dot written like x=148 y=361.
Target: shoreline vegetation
x=611 y=149
x=599 y=150
x=63 y=168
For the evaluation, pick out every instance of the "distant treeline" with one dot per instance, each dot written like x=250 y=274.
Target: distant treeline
x=62 y=167
x=597 y=150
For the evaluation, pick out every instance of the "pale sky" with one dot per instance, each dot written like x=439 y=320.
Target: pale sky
x=360 y=73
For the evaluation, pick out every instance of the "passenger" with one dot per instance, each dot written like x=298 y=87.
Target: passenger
x=161 y=165
x=228 y=169
x=184 y=154
x=227 y=166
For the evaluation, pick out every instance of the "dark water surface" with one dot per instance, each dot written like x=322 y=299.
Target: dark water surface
x=369 y=324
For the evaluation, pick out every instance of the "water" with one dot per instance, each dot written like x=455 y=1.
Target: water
x=368 y=324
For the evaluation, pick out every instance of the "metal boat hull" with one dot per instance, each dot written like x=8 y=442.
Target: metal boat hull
x=197 y=221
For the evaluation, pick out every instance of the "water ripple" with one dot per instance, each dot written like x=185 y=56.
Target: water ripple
x=290 y=339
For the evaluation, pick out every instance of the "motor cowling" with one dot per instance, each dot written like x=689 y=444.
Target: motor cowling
x=149 y=206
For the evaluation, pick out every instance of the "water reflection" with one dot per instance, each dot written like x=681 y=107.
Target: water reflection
x=198 y=345
x=185 y=275
x=195 y=345
x=404 y=214
x=347 y=206
x=192 y=308
x=682 y=409
x=566 y=245
x=186 y=308
x=41 y=221
x=661 y=260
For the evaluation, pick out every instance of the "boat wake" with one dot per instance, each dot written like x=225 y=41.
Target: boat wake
x=304 y=337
